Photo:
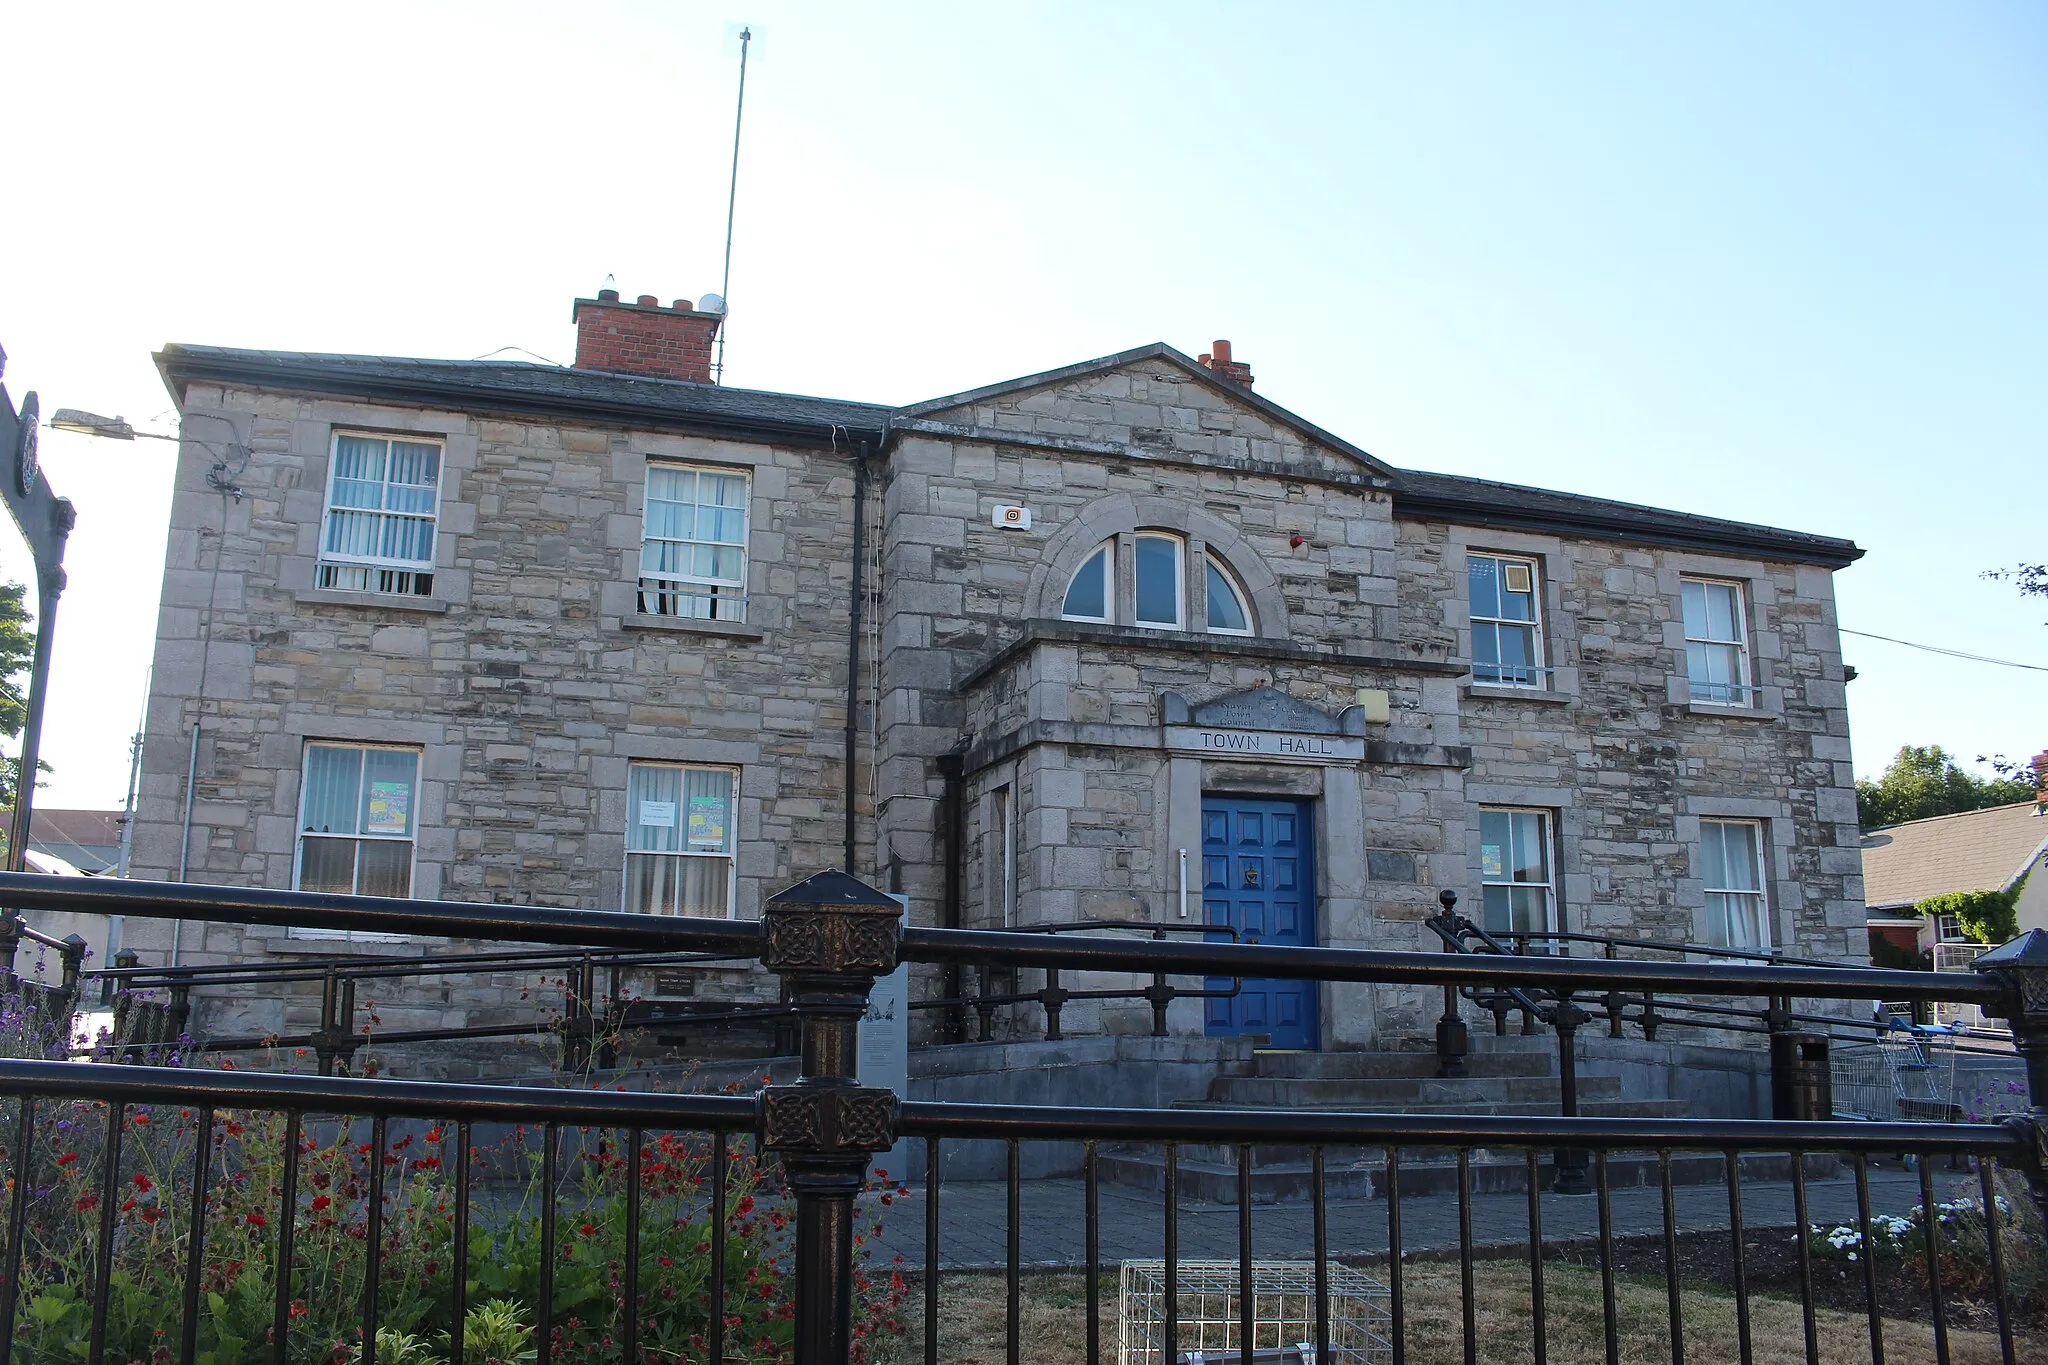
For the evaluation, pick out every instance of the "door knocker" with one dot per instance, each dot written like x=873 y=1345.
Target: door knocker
x=1251 y=874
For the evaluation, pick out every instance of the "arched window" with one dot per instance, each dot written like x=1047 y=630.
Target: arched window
x=1159 y=588
x=1088 y=596
x=1157 y=568
x=1228 y=612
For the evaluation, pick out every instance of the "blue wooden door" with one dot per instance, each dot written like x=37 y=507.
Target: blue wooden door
x=1258 y=877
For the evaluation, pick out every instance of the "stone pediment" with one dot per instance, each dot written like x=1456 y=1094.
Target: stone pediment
x=1262 y=708
x=1152 y=401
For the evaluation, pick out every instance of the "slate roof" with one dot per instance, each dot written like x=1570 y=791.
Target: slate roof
x=1485 y=503
x=88 y=839
x=523 y=388
x=1979 y=850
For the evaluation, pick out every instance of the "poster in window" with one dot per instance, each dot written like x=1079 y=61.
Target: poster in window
x=1491 y=865
x=390 y=809
x=658 y=814
x=707 y=821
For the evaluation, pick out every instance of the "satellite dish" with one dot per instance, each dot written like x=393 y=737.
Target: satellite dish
x=711 y=303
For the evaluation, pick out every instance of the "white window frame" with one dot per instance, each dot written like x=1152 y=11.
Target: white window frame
x=384 y=574
x=693 y=596
x=410 y=839
x=1949 y=929
x=1547 y=836
x=1534 y=625
x=1760 y=915
x=1179 y=579
x=1743 y=691
x=1237 y=593
x=729 y=853
x=1113 y=610
x=1107 y=550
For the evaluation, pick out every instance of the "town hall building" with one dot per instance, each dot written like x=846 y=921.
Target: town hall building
x=1123 y=641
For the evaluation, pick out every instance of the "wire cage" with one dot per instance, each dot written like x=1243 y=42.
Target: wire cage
x=1283 y=1312
x=1909 y=1076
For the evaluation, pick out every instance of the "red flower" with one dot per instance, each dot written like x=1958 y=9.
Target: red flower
x=86 y=1201
x=151 y=1214
x=745 y=1206
x=588 y=1230
x=320 y=1201
x=143 y=1182
x=142 y=1120
x=67 y=1158
x=256 y=1220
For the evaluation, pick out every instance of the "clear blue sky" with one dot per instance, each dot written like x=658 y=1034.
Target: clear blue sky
x=1780 y=263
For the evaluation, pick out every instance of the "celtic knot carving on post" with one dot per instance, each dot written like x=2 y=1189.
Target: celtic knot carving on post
x=821 y=1120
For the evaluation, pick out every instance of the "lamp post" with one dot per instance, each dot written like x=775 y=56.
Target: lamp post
x=45 y=521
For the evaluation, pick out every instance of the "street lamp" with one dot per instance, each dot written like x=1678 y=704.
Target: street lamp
x=92 y=424
x=45 y=521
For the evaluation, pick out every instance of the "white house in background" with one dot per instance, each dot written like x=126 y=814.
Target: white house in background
x=1979 y=850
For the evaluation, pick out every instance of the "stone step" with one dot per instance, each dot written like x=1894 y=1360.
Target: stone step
x=1377 y=1065
x=1424 y=1174
x=1291 y=1092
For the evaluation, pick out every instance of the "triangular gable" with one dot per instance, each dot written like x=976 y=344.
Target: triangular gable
x=1159 y=351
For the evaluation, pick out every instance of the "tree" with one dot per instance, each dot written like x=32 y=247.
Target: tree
x=17 y=651
x=1924 y=780
x=2030 y=579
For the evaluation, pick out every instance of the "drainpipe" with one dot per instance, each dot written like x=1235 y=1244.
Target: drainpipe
x=953 y=813
x=860 y=520
x=185 y=846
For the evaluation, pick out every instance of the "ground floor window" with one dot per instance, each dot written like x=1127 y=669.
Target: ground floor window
x=358 y=805
x=1732 y=858
x=680 y=839
x=1516 y=874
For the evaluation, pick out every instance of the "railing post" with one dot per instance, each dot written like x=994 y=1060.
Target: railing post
x=1572 y=1177
x=2020 y=966
x=1160 y=993
x=1453 y=1039
x=1614 y=1001
x=10 y=939
x=124 y=959
x=1054 y=999
x=828 y=937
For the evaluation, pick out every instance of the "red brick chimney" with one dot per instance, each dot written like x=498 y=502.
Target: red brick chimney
x=645 y=339
x=2040 y=764
x=1218 y=359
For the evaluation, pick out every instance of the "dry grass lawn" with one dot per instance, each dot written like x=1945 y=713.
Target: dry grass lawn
x=1053 y=1326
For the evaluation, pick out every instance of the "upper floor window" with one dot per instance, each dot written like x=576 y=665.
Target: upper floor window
x=1716 y=641
x=1516 y=876
x=1158 y=568
x=1949 y=928
x=1507 y=628
x=357 y=806
x=1229 y=614
x=1732 y=858
x=693 y=551
x=382 y=499
x=680 y=839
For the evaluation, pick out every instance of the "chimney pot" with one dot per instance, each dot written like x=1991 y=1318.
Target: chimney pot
x=648 y=301
x=1218 y=359
x=607 y=296
x=684 y=306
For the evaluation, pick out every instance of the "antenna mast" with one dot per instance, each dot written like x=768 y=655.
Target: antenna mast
x=731 y=198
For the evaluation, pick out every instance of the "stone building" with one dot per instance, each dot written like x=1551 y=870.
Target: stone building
x=1121 y=641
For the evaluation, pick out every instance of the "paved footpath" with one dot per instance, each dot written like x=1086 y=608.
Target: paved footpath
x=974 y=1220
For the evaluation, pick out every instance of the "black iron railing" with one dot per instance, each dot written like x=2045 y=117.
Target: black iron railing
x=596 y=1013
x=1053 y=997
x=828 y=939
